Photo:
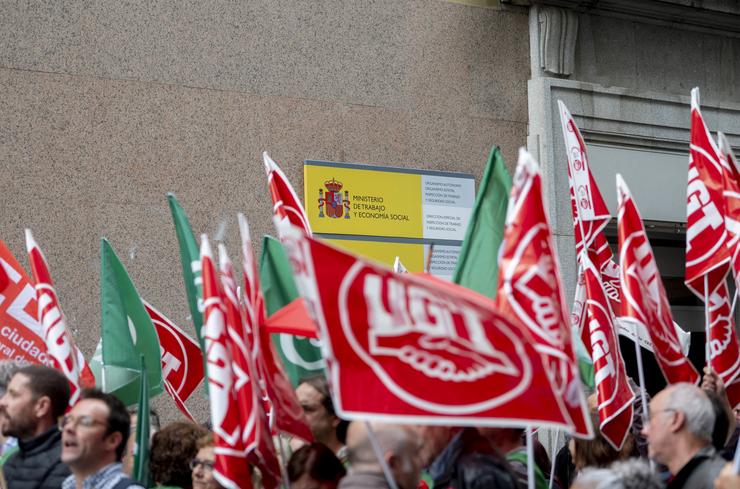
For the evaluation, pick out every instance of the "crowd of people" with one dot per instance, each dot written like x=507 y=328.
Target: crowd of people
x=688 y=441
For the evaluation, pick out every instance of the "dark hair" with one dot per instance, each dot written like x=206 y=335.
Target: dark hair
x=721 y=420
x=118 y=418
x=318 y=461
x=173 y=447
x=154 y=422
x=598 y=452
x=321 y=385
x=46 y=381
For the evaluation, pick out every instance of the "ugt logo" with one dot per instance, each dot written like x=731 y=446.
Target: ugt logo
x=331 y=200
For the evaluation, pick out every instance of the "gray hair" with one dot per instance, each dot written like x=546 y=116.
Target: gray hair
x=628 y=474
x=696 y=406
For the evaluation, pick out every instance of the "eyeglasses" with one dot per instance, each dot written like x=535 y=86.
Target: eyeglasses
x=206 y=464
x=84 y=421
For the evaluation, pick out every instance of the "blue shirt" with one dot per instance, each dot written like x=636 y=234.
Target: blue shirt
x=105 y=478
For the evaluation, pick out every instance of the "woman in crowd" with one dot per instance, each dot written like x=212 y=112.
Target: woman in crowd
x=172 y=449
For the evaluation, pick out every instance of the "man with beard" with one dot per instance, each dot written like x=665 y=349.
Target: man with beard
x=36 y=397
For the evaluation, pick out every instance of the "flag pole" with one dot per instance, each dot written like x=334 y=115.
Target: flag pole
x=554 y=446
x=706 y=321
x=736 y=459
x=428 y=266
x=530 y=458
x=283 y=469
x=640 y=374
x=379 y=454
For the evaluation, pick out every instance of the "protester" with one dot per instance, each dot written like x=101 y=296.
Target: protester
x=9 y=445
x=399 y=446
x=172 y=449
x=628 y=474
x=36 y=397
x=469 y=461
x=202 y=464
x=599 y=452
x=315 y=466
x=679 y=436
x=130 y=452
x=94 y=436
x=726 y=429
x=436 y=438
x=326 y=426
x=509 y=441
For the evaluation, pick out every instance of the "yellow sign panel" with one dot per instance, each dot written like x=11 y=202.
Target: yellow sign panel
x=383 y=213
x=363 y=202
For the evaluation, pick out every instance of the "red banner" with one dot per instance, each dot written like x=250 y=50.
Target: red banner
x=230 y=469
x=707 y=256
x=724 y=350
x=182 y=359
x=286 y=413
x=590 y=214
x=256 y=431
x=286 y=204
x=59 y=344
x=530 y=289
x=403 y=348
x=643 y=296
x=731 y=194
x=614 y=394
x=21 y=336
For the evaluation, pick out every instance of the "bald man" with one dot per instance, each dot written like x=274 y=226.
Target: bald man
x=679 y=436
x=400 y=448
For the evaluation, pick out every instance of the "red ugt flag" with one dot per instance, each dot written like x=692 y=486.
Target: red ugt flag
x=724 y=350
x=643 y=296
x=230 y=469
x=286 y=204
x=402 y=348
x=58 y=339
x=286 y=412
x=256 y=432
x=590 y=214
x=181 y=356
x=614 y=394
x=707 y=256
x=530 y=289
x=731 y=194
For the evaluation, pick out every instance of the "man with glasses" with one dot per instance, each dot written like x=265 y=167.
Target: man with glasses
x=35 y=398
x=679 y=436
x=94 y=436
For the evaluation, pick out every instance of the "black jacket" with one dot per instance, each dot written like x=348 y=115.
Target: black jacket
x=36 y=464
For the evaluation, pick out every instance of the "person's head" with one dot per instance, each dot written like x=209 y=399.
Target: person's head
x=681 y=421
x=326 y=426
x=129 y=452
x=722 y=420
x=314 y=466
x=599 y=452
x=400 y=447
x=435 y=439
x=628 y=474
x=202 y=464
x=35 y=398
x=7 y=370
x=94 y=433
x=504 y=440
x=173 y=447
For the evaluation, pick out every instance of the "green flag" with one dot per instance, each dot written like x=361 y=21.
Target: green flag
x=191 y=273
x=301 y=356
x=477 y=266
x=141 y=456
x=126 y=331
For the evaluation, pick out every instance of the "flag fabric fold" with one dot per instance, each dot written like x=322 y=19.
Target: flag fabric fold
x=286 y=204
x=731 y=194
x=127 y=332
x=286 y=412
x=644 y=300
x=230 y=468
x=477 y=264
x=707 y=254
x=301 y=356
x=255 y=429
x=613 y=392
x=724 y=350
x=530 y=289
x=59 y=342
